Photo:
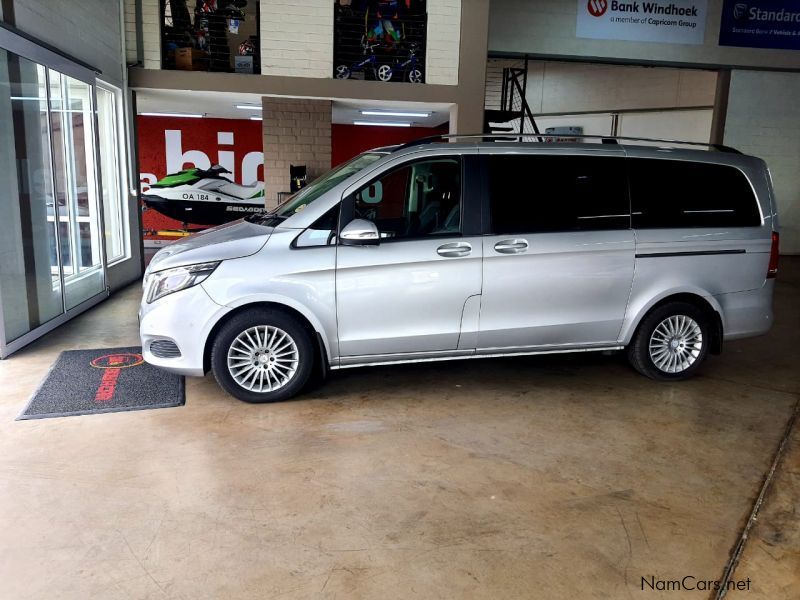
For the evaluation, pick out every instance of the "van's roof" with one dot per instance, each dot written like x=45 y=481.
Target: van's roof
x=529 y=143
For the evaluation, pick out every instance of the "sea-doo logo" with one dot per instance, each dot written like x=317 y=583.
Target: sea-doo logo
x=597 y=8
x=251 y=209
x=740 y=11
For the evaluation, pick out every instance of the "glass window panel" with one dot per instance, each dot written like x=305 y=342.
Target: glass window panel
x=30 y=281
x=79 y=215
x=111 y=172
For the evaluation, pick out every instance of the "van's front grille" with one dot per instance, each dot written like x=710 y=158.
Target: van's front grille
x=165 y=349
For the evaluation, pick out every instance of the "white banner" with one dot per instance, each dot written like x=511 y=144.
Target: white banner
x=673 y=21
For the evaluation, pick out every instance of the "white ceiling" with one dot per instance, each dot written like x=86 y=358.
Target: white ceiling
x=223 y=105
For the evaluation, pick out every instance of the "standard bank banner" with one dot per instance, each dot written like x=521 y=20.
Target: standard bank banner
x=673 y=22
x=763 y=24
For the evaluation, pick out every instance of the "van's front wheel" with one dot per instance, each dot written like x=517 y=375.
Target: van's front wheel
x=262 y=355
x=671 y=342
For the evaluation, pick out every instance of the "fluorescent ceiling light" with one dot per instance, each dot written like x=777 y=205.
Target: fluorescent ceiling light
x=394 y=113
x=249 y=106
x=160 y=114
x=256 y=118
x=382 y=123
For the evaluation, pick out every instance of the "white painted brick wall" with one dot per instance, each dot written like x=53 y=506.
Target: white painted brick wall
x=151 y=34
x=296 y=132
x=131 y=55
x=442 y=46
x=297 y=38
x=763 y=119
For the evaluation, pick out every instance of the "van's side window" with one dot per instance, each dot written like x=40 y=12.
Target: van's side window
x=675 y=193
x=322 y=232
x=539 y=193
x=415 y=200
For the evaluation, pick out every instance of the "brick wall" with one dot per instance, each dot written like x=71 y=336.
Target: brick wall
x=296 y=132
x=297 y=38
x=763 y=119
x=151 y=34
x=131 y=55
x=444 y=35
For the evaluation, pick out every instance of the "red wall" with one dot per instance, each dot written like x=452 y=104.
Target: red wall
x=349 y=140
x=196 y=134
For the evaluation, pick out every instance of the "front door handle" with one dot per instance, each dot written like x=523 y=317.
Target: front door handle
x=515 y=246
x=454 y=249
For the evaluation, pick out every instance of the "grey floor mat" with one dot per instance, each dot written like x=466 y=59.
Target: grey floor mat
x=104 y=380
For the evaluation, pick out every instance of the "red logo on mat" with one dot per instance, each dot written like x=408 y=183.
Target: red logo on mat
x=117 y=361
x=112 y=365
x=597 y=8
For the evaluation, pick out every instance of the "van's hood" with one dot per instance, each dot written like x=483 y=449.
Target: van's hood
x=232 y=240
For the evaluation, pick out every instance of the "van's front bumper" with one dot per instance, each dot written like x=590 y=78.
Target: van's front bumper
x=185 y=319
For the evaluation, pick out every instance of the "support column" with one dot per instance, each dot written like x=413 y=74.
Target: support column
x=296 y=132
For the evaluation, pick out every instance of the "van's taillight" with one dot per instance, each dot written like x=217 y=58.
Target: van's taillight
x=772 y=271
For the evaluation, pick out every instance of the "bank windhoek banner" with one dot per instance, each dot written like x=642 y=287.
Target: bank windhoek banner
x=673 y=22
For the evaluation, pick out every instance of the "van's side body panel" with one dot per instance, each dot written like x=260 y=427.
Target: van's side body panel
x=725 y=265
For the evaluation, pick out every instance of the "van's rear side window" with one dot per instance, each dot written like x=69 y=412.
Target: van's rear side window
x=543 y=193
x=676 y=193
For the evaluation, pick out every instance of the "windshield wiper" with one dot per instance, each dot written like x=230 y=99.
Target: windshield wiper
x=265 y=218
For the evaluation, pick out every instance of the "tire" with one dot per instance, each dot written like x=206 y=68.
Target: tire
x=342 y=72
x=671 y=342
x=414 y=75
x=262 y=355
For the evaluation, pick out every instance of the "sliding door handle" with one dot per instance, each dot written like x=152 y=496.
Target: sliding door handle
x=454 y=249
x=515 y=246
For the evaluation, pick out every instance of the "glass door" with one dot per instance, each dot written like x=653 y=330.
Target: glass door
x=30 y=272
x=72 y=131
x=52 y=259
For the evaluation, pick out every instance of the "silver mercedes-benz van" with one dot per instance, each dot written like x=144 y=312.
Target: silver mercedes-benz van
x=473 y=248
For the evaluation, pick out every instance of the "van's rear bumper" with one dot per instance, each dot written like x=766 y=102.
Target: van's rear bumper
x=747 y=314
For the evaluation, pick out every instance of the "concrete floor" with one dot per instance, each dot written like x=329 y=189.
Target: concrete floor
x=548 y=477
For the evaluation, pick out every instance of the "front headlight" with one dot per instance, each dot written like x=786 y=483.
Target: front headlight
x=162 y=283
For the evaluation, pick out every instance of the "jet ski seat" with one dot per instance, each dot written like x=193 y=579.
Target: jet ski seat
x=240 y=191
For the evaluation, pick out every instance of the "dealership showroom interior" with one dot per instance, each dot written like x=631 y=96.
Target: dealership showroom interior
x=361 y=299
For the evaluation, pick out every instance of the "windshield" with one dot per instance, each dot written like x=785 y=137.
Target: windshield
x=298 y=201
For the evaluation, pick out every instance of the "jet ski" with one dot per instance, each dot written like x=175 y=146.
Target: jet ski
x=204 y=197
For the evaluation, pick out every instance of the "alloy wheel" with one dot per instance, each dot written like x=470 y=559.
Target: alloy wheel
x=263 y=358
x=675 y=344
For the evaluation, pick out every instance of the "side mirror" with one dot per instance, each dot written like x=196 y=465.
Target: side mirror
x=360 y=232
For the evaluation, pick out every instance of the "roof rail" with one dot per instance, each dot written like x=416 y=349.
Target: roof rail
x=546 y=137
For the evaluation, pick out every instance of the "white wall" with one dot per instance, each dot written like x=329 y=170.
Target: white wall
x=442 y=46
x=684 y=125
x=547 y=27
x=561 y=87
x=297 y=38
x=763 y=119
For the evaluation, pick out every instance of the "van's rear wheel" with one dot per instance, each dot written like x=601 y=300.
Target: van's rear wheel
x=671 y=342
x=262 y=355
